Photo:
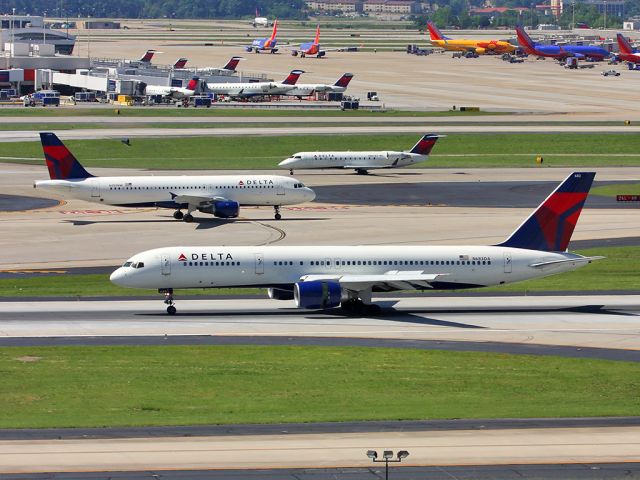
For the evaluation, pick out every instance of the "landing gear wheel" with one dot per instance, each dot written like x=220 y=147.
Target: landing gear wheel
x=372 y=309
x=277 y=216
x=188 y=218
x=291 y=172
x=178 y=215
x=171 y=310
x=361 y=171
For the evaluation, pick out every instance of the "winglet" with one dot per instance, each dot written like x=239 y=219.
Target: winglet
x=550 y=226
x=425 y=144
x=60 y=161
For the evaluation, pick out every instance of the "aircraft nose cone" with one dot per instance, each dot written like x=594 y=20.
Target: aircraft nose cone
x=286 y=162
x=310 y=195
x=118 y=277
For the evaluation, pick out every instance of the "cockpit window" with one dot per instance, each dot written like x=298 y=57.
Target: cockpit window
x=297 y=156
x=127 y=264
x=138 y=265
x=298 y=185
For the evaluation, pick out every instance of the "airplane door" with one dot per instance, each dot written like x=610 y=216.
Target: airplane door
x=507 y=263
x=259 y=260
x=165 y=265
x=280 y=188
x=95 y=190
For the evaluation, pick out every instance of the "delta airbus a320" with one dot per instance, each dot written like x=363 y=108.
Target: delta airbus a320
x=325 y=277
x=218 y=195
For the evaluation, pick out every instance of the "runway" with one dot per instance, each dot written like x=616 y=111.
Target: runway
x=590 y=321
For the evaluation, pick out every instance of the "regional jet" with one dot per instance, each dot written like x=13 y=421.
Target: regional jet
x=325 y=277
x=218 y=195
x=265 y=44
x=173 y=93
x=627 y=52
x=306 y=89
x=245 y=90
x=480 y=47
x=560 y=52
x=260 y=21
x=361 y=162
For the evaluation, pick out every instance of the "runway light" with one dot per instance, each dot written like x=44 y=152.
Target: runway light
x=387 y=457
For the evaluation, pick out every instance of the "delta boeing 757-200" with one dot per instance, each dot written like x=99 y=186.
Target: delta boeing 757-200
x=324 y=277
x=361 y=162
x=218 y=195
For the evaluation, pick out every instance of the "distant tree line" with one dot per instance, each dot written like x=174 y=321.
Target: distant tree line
x=292 y=9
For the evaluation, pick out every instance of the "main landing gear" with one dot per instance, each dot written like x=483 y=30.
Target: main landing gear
x=277 y=216
x=168 y=300
x=358 y=307
x=362 y=171
x=187 y=217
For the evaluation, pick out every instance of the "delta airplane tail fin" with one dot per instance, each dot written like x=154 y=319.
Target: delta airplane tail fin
x=550 y=227
x=524 y=39
x=60 y=161
x=624 y=45
x=434 y=33
x=180 y=63
x=344 y=80
x=292 y=78
x=317 y=39
x=193 y=84
x=232 y=64
x=425 y=144
x=146 y=58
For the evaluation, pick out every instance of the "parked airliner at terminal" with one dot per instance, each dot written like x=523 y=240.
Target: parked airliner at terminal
x=361 y=162
x=324 y=277
x=218 y=195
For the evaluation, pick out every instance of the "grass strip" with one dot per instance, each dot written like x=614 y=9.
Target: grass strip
x=264 y=152
x=613 y=190
x=618 y=271
x=187 y=385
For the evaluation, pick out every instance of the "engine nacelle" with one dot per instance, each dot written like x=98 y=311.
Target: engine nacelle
x=317 y=294
x=222 y=209
x=481 y=51
x=280 y=293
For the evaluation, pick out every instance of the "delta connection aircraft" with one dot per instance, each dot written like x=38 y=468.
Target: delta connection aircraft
x=306 y=89
x=219 y=195
x=362 y=162
x=323 y=277
x=480 y=47
x=244 y=90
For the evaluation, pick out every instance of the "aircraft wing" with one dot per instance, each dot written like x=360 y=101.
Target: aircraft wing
x=198 y=200
x=389 y=281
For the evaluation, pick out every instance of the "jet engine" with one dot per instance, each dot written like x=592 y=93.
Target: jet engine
x=481 y=51
x=317 y=294
x=280 y=293
x=222 y=209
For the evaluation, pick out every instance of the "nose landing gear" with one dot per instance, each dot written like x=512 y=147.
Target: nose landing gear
x=168 y=300
x=277 y=216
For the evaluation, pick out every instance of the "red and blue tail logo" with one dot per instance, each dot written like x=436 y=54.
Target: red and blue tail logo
x=292 y=78
x=146 y=58
x=193 y=83
x=232 y=64
x=344 y=80
x=180 y=63
x=550 y=227
x=60 y=161
x=424 y=145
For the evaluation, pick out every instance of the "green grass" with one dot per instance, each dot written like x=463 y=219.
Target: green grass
x=264 y=152
x=613 y=190
x=169 y=385
x=618 y=271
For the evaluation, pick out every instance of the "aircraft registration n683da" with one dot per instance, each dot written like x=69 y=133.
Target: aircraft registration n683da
x=324 y=277
x=218 y=195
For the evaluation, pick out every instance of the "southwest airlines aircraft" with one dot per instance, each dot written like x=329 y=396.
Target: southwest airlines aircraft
x=219 y=195
x=627 y=52
x=323 y=277
x=265 y=44
x=559 y=51
x=480 y=47
x=362 y=162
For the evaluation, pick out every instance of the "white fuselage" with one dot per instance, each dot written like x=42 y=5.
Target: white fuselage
x=216 y=266
x=160 y=191
x=173 y=92
x=356 y=160
x=306 y=89
x=248 y=89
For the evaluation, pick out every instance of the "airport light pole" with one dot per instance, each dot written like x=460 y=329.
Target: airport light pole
x=387 y=457
x=573 y=15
